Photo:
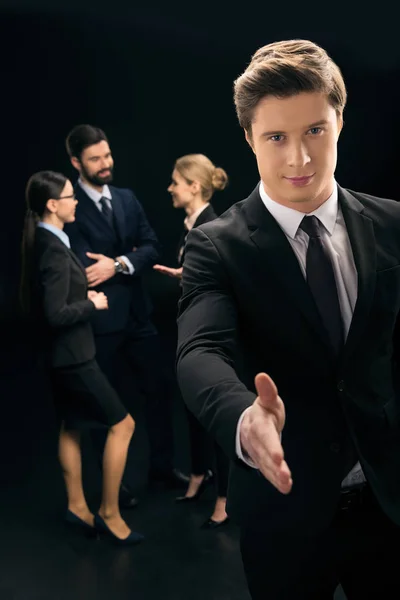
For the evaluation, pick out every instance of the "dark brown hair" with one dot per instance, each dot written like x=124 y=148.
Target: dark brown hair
x=83 y=136
x=284 y=69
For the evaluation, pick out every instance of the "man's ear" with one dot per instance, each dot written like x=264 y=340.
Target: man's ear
x=76 y=163
x=249 y=139
x=340 y=124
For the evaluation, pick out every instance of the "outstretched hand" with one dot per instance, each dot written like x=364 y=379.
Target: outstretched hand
x=176 y=273
x=260 y=434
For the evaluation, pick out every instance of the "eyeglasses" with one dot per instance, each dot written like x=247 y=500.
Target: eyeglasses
x=66 y=197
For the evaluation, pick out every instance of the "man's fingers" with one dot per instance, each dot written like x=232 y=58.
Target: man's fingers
x=283 y=472
x=279 y=477
x=266 y=390
x=94 y=256
x=163 y=269
x=284 y=479
x=268 y=448
x=95 y=283
x=267 y=452
x=261 y=437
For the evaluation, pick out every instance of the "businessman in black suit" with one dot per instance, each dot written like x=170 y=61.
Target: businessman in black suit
x=113 y=239
x=301 y=281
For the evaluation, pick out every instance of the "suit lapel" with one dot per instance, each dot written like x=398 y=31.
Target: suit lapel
x=54 y=240
x=362 y=239
x=77 y=261
x=208 y=214
x=277 y=254
x=119 y=215
x=87 y=207
x=205 y=216
x=181 y=246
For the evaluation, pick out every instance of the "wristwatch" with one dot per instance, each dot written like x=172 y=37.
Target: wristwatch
x=118 y=266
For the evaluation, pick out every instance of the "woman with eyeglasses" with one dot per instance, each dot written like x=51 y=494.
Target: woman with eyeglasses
x=54 y=292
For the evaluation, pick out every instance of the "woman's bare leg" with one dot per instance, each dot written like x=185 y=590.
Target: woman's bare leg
x=71 y=463
x=114 y=461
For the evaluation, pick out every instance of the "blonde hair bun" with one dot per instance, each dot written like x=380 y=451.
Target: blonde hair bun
x=219 y=179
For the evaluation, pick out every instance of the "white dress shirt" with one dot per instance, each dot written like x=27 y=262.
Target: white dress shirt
x=337 y=242
x=190 y=221
x=96 y=197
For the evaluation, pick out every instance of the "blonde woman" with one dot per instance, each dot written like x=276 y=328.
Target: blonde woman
x=194 y=180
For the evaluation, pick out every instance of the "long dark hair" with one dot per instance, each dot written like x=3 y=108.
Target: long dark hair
x=40 y=188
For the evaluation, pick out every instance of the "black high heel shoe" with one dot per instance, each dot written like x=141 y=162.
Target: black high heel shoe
x=102 y=527
x=198 y=494
x=79 y=524
x=211 y=524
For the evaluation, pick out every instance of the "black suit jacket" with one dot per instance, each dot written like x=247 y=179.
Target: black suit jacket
x=207 y=215
x=128 y=301
x=246 y=308
x=63 y=311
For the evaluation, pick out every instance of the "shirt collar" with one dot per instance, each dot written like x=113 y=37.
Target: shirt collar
x=289 y=219
x=58 y=232
x=94 y=194
x=190 y=221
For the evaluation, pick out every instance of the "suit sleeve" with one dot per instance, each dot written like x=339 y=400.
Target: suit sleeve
x=207 y=344
x=146 y=243
x=54 y=281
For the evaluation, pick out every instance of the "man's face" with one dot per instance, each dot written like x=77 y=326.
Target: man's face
x=96 y=164
x=295 y=143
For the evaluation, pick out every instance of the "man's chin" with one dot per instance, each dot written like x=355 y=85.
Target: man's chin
x=103 y=180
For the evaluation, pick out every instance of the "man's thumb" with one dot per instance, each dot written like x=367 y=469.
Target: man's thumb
x=266 y=390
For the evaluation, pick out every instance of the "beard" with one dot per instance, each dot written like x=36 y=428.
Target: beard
x=97 y=178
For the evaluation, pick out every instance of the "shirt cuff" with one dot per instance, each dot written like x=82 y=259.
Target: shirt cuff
x=131 y=268
x=239 y=450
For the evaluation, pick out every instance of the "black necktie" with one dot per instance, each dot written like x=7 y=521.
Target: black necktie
x=321 y=280
x=107 y=211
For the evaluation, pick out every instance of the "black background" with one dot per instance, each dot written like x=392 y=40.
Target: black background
x=158 y=79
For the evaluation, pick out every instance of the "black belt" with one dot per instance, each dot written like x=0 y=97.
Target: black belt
x=354 y=497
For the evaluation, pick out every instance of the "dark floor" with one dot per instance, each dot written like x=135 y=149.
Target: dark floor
x=41 y=560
